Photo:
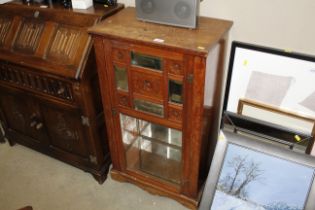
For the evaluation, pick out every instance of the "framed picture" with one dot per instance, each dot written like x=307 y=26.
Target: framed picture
x=276 y=86
x=248 y=174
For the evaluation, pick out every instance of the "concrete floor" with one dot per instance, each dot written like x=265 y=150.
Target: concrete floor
x=30 y=178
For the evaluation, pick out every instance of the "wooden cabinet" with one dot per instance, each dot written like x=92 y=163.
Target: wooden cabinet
x=161 y=90
x=49 y=89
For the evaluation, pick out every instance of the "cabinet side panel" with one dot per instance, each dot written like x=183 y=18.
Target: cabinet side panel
x=215 y=78
x=102 y=50
x=210 y=101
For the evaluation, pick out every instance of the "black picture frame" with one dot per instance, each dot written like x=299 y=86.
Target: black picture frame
x=275 y=160
x=288 y=134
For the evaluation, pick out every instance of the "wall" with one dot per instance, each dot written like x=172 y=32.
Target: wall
x=284 y=24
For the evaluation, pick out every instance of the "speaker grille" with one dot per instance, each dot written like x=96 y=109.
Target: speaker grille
x=147 y=6
x=182 y=10
x=181 y=13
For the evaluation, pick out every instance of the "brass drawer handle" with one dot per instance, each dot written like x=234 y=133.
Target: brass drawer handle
x=61 y=91
x=175 y=113
x=33 y=123
x=147 y=85
x=120 y=55
x=176 y=66
x=39 y=126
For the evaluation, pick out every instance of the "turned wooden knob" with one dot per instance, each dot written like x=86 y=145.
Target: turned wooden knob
x=61 y=91
x=147 y=84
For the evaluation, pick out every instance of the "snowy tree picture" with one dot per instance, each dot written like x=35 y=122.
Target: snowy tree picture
x=251 y=180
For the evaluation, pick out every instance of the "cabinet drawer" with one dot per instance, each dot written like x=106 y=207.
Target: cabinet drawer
x=175 y=114
x=150 y=85
x=174 y=67
x=22 y=78
x=123 y=99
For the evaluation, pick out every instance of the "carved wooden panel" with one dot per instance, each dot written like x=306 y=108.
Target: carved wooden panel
x=174 y=67
x=175 y=114
x=31 y=80
x=28 y=36
x=5 y=24
x=120 y=55
x=22 y=116
x=123 y=100
x=147 y=84
x=65 y=130
x=65 y=44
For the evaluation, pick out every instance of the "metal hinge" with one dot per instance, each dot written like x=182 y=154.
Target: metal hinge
x=190 y=78
x=93 y=159
x=85 y=120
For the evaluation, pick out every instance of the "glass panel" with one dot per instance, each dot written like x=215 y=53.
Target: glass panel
x=149 y=107
x=121 y=78
x=175 y=90
x=160 y=160
x=129 y=129
x=146 y=61
x=153 y=149
x=161 y=133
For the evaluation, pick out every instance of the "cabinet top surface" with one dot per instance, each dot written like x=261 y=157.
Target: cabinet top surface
x=124 y=25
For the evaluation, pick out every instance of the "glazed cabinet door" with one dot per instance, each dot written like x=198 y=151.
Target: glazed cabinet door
x=65 y=130
x=147 y=88
x=22 y=118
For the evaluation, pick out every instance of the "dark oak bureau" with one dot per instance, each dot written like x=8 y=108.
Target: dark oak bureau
x=161 y=88
x=49 y=89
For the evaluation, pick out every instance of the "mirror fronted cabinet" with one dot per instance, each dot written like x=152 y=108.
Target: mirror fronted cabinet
x=161 y=89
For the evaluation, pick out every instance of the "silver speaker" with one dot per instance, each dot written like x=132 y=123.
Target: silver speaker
x=181 y=13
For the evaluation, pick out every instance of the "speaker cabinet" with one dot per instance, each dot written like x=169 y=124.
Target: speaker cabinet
x=181 y=13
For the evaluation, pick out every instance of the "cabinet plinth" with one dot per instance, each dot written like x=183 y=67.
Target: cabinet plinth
x=49 y=89
x=161 y=91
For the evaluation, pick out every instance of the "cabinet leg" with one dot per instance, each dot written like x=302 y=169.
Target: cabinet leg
x=2 y=139
x=12 y=143
x=100 y=178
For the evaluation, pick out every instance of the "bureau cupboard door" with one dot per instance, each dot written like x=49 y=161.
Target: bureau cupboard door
x=22 y=119
x=65 y=130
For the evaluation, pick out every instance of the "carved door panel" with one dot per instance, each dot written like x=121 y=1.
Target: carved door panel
x=22 y=115
x=65 y=130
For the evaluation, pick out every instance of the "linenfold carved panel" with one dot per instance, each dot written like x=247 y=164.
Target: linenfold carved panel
x=28 y=36
x=5 y=24
x=65 y=44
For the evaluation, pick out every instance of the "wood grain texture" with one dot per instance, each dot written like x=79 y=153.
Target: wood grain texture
x=183 y=57
x=200 y=40
x=5 y=24
x=49 y=92
x=55 y=39
x=28 y=36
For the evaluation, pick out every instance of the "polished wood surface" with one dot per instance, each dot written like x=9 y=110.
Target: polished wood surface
x=49 y=89
x=195 y=59
x=199 y=40
x=48 y=37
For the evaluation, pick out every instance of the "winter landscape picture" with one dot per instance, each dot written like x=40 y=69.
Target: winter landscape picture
x=252 y=180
